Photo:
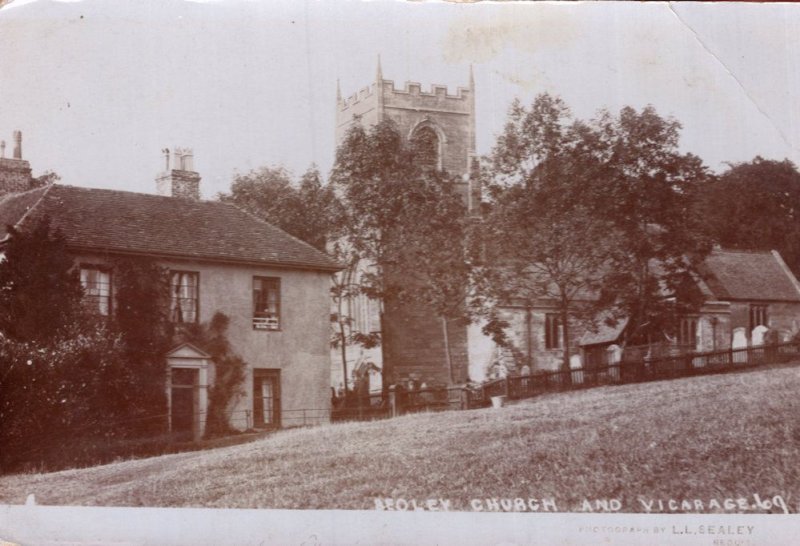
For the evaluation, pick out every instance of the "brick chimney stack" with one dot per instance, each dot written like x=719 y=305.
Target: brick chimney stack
x=179 y=178
x=15 y=172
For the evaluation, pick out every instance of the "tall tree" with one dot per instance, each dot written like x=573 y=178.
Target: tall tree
x=649 y=188
x=548 y=239
x=305 y=209
x=755 y=205
x=596 y=216
x=40 y=291
x=403 y=221
x=141 y=319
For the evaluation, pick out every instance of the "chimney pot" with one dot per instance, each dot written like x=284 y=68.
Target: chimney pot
x=17 y=144
x=180 y=180
x=188 y=159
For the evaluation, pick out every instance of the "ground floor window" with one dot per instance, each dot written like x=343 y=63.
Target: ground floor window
x=266 y=398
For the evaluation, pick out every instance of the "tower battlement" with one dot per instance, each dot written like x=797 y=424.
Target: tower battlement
x=363 y=94
x=457 y=101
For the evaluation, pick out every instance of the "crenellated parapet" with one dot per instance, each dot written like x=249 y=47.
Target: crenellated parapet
x=436 y=94
x=363 y=94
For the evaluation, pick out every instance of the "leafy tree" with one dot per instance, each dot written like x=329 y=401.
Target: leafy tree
x=595 y=216
x=306 y=209
x=548 y=237
x=370 y=174
x=40 y=291
x=649 y=188
x=755 y=205
x=141 y=319
x=54 y=397
x=402 y=220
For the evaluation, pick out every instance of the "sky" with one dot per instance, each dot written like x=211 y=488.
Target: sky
x=99 y=87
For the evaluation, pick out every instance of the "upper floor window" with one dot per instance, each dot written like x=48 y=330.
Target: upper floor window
x=266 y=303
x=758 y=316
x=553 y=331
x=687 y=331
x=183 y=296
x=96 y=283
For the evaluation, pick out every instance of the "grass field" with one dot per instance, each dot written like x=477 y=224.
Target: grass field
x=713 y=437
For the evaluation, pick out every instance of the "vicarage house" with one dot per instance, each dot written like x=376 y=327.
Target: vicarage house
x=273 y=287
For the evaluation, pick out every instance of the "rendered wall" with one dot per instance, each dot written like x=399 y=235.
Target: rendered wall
x=300 y=349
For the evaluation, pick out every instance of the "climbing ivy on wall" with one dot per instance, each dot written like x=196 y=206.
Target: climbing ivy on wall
x=140 y=318
x=229 y=370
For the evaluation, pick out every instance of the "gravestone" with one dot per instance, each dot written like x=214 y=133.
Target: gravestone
x=758 y=334
x=576 y=365
x=739 y=342
x=614 y=357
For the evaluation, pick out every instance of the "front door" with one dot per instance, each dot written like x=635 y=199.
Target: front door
x=184 y=402
x=266 y=398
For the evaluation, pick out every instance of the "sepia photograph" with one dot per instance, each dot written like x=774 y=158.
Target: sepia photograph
x=396 y=272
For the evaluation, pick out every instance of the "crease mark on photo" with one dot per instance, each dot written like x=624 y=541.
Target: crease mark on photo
x=750 y=97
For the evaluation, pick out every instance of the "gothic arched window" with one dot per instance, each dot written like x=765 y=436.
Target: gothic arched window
x=425 y=146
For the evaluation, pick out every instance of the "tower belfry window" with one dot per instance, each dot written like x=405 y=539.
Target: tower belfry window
x=425 y=146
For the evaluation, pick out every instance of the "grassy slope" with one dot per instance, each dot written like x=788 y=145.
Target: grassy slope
x=709 y=437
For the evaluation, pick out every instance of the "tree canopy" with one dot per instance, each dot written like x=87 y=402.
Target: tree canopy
x=403 y=221
x=649 y=188
x=40 y=291
x=305 y=209
x=756 y=206
x=595 y=216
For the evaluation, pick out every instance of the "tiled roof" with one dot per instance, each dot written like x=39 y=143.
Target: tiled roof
x=120 y=221
x=14 y=206
x=749 y=275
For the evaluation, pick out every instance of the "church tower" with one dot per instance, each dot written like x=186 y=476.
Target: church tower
x=416 y=342
x=445 y=120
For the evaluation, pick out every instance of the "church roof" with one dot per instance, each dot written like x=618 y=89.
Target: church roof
x=749 y=275
x=138 y=223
